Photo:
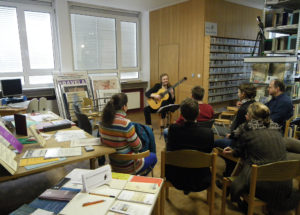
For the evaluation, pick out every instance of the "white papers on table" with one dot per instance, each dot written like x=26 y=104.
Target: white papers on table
x=142 y=187
x=96 y=178
x=130 y=208
x=138 y=197
x=76 y=175
x=63 y=152
x=117 y=184
x=44 y=117
x=34 y=153
x=106 y=190
x=74 y=207
x=42 y=212
x=62 y=136
x=85 y=142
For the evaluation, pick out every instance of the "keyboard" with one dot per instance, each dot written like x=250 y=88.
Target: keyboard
x=221 y=130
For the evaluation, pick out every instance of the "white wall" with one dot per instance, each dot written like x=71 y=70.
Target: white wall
x=65 y=38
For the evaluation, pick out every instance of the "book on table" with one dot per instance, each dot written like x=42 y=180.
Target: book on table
x=59 y=195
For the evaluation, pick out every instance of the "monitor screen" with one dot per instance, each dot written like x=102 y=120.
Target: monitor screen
x=11 y=87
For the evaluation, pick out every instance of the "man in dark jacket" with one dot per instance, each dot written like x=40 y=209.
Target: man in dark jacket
x=280 y=105
x=189 y=136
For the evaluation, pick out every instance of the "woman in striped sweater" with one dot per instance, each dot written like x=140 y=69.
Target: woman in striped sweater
x=118 y=132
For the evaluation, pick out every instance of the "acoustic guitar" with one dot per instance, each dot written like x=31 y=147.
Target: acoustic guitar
x=164 y=95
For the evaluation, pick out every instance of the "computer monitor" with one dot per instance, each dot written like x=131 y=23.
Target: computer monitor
x=11 y=87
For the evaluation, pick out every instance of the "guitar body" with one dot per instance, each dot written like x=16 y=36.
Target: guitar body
x=155 y=104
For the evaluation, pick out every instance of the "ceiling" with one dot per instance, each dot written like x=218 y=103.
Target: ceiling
x=149 y=5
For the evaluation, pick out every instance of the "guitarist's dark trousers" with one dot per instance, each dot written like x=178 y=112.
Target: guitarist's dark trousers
x=147 y=112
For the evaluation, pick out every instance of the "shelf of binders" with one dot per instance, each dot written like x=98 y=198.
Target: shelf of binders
x=229 y=52
x=288 y=4
x=225 y=59
x=232 y=45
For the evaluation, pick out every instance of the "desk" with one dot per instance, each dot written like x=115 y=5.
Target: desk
x=11 y=111
x=21 y=171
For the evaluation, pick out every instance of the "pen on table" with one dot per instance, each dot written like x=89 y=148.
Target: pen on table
x=97 y=194
x=92 y=203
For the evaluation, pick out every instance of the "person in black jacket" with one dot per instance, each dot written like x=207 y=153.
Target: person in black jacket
x=151 y=93
x=189 y=136
x=246 y=94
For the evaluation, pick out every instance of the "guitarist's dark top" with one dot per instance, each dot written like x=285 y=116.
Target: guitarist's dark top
x=156 y=88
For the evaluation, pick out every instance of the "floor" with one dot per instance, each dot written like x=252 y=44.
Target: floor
x=194 y=203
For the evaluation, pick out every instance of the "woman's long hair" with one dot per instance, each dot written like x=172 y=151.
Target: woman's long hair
x=260 y=112
x=115 y=104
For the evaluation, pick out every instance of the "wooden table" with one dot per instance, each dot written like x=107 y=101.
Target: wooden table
x=11 y=111
x=51 y=143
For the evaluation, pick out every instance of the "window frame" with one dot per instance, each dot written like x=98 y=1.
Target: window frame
x=26 y=72
x=118 y=19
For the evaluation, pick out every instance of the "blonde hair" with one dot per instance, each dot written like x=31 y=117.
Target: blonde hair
x=259 y=112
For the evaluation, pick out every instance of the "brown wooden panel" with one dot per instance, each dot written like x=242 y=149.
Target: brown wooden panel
x=168 y=61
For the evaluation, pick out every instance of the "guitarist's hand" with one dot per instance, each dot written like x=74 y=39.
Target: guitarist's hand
x=156 y=97
x=171 y=90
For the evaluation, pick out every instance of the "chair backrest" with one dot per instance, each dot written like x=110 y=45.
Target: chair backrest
x=287 y=126
x=127 y=157
x=33 y=106
x=84 y=122
x=206 y=124
x=42 y=104
x=277 y=171
x=187 y=159
x=87 y=102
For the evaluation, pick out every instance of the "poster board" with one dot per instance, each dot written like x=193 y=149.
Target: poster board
x=70 y=89
x=103 y=89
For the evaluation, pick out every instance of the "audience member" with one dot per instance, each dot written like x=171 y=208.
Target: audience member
x=246 y=94
x=206 y=111
x=258 y=141
x=189 y=136
x=280 y=105
x=118 y=132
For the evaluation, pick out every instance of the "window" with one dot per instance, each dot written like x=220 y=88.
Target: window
x=27 y=47
x=105 y=40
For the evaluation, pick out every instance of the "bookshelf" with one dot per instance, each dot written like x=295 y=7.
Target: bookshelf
x=226 y=67
x=282 y=18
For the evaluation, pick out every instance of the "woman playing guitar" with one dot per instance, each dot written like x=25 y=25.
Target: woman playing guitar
x=157 y=100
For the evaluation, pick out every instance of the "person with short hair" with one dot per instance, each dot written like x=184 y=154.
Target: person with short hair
x=118 y=132
x=258 y=141
x=206 y=111
x=280 y=105
x=189 y=136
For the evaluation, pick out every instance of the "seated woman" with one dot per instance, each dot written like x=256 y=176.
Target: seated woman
x=246 y=94
x=189 y=136
x=259 y=141
x=118 y=132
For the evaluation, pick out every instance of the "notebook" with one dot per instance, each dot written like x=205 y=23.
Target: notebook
x=59 y=195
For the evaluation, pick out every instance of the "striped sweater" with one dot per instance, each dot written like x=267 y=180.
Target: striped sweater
x=121 y=135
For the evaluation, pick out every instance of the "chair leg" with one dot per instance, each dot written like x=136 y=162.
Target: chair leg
x=167 y=192
x=208 y=193
x=297 y=211
x=162 y=199
x=224 y=191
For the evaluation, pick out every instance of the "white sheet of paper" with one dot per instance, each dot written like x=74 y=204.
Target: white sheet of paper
x=85 y=142
x=106 y=190
x=130 y=208
x=76 y=175
x=74 y=207
x=96 y=178
x=62 y=136
x=42 y=212
x=138 y=197
x=34 y=153
x=117 y=184
x=63 y=152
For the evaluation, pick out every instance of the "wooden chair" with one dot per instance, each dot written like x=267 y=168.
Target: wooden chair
x=287 y=126
x=277 y=171
x=189 y=159
x=134 y=157
x=226 y=116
